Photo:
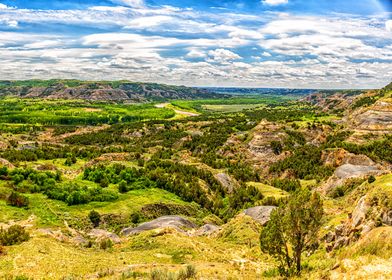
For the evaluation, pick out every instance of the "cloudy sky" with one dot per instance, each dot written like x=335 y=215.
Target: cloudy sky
x=252 y=43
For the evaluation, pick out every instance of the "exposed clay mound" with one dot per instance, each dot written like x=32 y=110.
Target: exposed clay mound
x=259 y=150
x=376 y=114
x=260 y=214
x=110 y=157
x=6 y=163
x=355 y=171
x=227 y=182
x=374 y=119
x=346 y=172
x=175 y=222
x=332 y=100
x=207 y=230
x=100 y=234
x=338 y=157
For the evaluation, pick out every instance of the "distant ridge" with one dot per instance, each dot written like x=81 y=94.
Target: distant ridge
x=100 y=90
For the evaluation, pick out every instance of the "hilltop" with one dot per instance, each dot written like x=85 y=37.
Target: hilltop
x=100 y=90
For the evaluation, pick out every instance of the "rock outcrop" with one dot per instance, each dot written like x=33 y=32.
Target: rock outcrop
x=363 y=219
x=227 y=182
x=261 y=214
x=175 y=222
x=346 y=172
x=100 y=234
x=207 y=230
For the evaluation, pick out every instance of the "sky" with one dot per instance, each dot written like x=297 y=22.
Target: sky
x=244 y=43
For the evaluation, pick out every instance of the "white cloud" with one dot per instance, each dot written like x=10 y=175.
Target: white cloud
x=4 y=7
x=274 y=2
x=322 y=51
x=195 y=53
x=129 y=3
x=388 y=25
x=9 y=23
x=222 y=56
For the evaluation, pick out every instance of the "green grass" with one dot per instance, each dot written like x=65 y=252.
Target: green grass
x=76 y=112
x=268 y=191
x=234 y=104
x=52 y=213
x=230 y=108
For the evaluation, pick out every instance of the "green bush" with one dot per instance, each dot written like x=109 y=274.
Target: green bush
x=105 y=244
x=17 y=200
x=371 y=179
x=15 y=234
x=94 y=217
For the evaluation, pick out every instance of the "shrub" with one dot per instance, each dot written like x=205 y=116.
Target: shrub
x=122 y=187
x=15 y=234
x=17 y=200
x=158 y=274
x=105 y=244
x=104 y=183
x=2 y=250
x=371 y=179
x=94 y=217
x=188 y=273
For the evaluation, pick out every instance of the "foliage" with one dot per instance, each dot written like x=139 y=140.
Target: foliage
x=371 y=179
x=376 y=150
x=74 y=194
x=94 y=217
x=15 y=234
x=17 y=200
x=106 y=244
x=80 y=112
x=305 y=163
x=293 y=229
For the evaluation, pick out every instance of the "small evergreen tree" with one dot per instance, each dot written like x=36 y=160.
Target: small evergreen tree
x=293 y=229
x=95 y=218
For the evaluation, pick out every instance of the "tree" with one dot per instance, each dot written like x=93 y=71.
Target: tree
x=293 y=229
x=94 y=217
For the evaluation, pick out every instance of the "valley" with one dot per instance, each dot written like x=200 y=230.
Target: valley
x=122 y=180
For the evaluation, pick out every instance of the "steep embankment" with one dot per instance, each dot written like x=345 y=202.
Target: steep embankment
x=102 y=90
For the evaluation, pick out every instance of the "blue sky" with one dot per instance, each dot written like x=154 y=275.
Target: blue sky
x=260 y=43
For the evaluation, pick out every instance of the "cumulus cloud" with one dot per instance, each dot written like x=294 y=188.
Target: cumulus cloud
x=146 y=43
x=195 y=53
x=274 y=2
x=222 y=56
x=4 y=7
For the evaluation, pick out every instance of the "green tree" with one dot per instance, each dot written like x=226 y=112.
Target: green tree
x=293 y=229
x=94 y=217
